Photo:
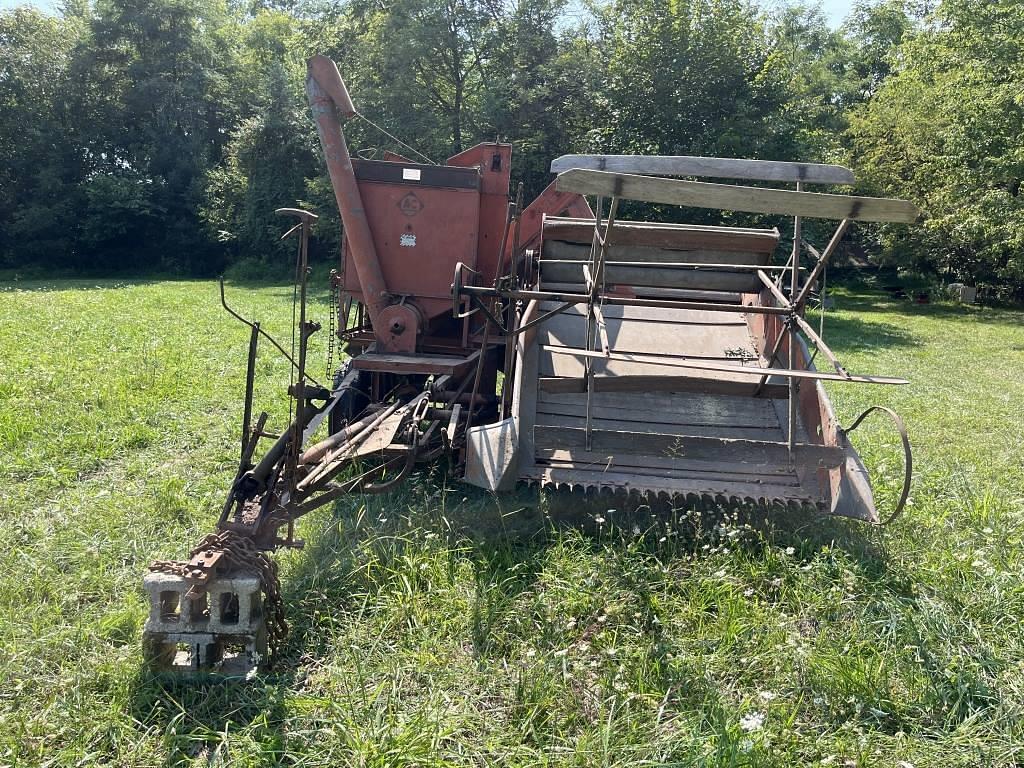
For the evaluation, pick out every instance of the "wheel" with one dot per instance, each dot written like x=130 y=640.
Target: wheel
x=352 y=399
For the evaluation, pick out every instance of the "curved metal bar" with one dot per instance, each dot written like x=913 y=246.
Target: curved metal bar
x=387 y=485
x=264 y=334
x=908 y=459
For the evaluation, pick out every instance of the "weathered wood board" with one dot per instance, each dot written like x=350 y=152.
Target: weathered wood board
x=654 y=276
x=570 y=251
x=742 y=451
x=675 y=384
x=699 y=194
x=710 y=167
x=653 y=234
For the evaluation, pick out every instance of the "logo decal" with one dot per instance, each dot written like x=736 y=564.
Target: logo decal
x=410 y=205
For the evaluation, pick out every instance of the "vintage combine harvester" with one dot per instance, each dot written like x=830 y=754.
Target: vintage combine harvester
x=638 y=358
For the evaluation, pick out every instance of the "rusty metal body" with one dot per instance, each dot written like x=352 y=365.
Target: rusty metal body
x=670 y=360
x=637 y=357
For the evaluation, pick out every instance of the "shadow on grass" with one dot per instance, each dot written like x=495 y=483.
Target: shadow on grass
x=279 y=282
x=503 y=541
x=59 y=284
x=854 y=334
x=866 y=299
x=197 y=716
x=502 y=538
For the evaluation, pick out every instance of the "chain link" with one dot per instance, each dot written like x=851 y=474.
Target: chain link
x=332 y=320
x=241 y=554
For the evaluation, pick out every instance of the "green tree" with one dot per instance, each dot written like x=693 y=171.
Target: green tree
x=267 y=165
x=152 y=72
x=538 y=82
x=683 y=77
x=414 y=65
x=810 y=62
x=39 y=195
x=945 y=129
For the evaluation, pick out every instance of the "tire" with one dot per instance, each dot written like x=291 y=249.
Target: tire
x=352 y=399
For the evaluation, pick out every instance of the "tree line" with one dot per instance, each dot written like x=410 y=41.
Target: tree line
x=160 y=135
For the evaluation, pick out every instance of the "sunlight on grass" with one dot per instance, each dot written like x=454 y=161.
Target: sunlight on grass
x=441 y=626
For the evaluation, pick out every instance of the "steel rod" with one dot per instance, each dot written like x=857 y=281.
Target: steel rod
x=826 y=255
x=779 y=295
x=250 y=378
x=623 y=301
x=703 y=365
x=820 y=344
x=770 y=358
x=794 y=278
x=694 y=265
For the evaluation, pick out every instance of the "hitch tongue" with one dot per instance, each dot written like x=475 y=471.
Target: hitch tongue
x=199 y=570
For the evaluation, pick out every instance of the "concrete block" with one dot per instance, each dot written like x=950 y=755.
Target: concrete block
x=965 y=294
x=196 y=654
x=220 y=631
x=226 y=605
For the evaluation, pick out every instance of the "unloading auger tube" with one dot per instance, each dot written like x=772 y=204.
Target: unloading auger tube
x=659 y=360
x=329 y=101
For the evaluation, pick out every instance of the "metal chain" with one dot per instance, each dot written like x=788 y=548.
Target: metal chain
x=335 y=301
x=241 y=554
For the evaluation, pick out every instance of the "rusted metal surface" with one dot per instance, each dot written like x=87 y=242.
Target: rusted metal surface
x=328 y=97
x=573 y=348
x=640 y=358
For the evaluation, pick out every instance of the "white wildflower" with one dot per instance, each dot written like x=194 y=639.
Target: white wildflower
x=751 y=722
x=768 y=695
x=790 y=551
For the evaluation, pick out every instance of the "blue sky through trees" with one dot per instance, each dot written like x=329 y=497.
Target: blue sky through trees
x=835 y=10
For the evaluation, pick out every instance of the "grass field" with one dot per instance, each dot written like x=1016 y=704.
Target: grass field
x=445 y=627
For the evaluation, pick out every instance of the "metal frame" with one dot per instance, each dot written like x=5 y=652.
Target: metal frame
x=789 y=308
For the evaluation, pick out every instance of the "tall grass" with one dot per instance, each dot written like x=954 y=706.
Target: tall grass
x=441 y=626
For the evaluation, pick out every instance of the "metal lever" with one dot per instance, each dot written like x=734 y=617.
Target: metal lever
x=304 y=226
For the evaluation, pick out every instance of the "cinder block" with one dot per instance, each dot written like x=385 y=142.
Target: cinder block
x=226 y=605
x=192 y=654
x=236 y=604
x=220 y=631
